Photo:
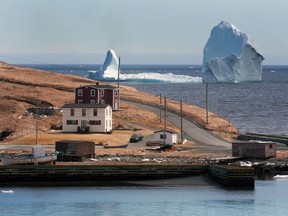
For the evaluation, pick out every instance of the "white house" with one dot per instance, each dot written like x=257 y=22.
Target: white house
x=87 y=118
x=169 y=136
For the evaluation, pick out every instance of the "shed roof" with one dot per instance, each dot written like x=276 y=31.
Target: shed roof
x=166 y=131
x=250 y=142
x=74 y=141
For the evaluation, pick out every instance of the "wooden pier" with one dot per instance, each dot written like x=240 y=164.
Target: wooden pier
x=233 y=176
x=228 y=176
x=92 y=173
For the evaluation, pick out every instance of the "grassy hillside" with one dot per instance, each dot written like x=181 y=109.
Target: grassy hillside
x=21 y=88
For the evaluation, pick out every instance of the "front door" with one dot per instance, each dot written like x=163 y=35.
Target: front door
x=116 y=105
x=83 y=124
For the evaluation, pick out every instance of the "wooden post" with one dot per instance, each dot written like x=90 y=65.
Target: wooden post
x=160 y=108
x=36 y=126
x=119 y=72
x=206 y=103
x=164 y=134
x=118 y=108
x=181 y=112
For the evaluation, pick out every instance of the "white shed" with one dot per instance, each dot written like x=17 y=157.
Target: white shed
x=169 y=136
x=87 y=118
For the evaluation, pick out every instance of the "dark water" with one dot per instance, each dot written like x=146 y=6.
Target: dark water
x=268 y=198
x=251 y=107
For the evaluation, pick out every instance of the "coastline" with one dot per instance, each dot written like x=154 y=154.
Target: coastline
x=23 y=86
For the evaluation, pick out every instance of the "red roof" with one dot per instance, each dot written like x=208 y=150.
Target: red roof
x=99 y=86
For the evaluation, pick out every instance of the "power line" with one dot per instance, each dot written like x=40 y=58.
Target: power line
x=25 y=60
x=37 y=61
x=34 y=47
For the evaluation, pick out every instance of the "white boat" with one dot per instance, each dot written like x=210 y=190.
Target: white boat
x=38 y=156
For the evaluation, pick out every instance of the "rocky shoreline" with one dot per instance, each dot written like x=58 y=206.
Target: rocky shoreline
x=270 y=166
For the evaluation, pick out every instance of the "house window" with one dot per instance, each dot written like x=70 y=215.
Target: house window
x=72 y=122
x=80 y=92
x=92 y=102
x=110 y=112
x=94 y=112
x=72 y=112
x=102 y=92
x=110 y=123
x=95 y=122
x=92 y=93
x=80 y=101
x=162 y=136
x=83 y=112
x=116 y=93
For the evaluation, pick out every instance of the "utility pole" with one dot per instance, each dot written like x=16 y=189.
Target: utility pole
x=181 y=113
x=206 y=103
x=36 y=126
x=119 y=72
x=164 y=134
x=160 y=108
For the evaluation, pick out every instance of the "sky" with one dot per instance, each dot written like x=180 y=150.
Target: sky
x=140 y=31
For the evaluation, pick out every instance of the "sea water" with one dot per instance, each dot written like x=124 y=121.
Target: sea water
x=268 y=198
x=259 y=107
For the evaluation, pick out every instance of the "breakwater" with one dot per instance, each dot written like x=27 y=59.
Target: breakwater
x=99 y=174
x=264 y=137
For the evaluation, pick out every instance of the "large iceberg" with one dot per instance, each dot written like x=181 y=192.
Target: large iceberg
x=109 y=70
x=231 y=56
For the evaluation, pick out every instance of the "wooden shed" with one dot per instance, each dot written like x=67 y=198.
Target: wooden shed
x=75 y=150
x=254 y=149
x=169 y=136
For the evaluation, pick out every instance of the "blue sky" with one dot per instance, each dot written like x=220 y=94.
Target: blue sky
x=141 y=32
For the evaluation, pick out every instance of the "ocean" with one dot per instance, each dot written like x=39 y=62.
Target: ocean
x=268 y=198
x=251 y=107
x=259 y=107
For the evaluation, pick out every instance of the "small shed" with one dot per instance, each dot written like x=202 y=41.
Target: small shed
x=254 y=149
x=75 y=150
x=169 y=136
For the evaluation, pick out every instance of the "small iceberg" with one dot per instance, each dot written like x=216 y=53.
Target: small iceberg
x=111 y=67
x=281 y=177
x=7 y=191
x=109 y=70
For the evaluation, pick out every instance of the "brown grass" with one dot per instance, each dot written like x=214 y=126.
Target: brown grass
x=21 y=87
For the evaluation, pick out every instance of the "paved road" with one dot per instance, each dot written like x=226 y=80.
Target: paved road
x=190 y=129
